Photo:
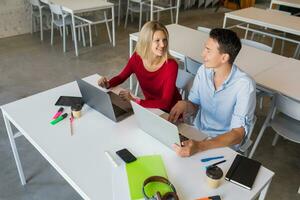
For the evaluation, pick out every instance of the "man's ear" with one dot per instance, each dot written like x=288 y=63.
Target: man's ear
x=225 y=58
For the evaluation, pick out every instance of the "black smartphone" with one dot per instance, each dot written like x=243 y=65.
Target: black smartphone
x=125 y=155
x=68 y=101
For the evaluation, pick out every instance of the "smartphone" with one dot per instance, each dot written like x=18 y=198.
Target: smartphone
x=68 y=101
x=125 y=155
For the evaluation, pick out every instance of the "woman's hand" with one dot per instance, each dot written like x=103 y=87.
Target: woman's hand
x=126 y=96
x=103 y=82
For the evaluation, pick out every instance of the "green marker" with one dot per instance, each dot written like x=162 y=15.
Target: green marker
x=53 y=122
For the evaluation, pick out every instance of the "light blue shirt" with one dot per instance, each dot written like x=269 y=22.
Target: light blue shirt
x=231 y=106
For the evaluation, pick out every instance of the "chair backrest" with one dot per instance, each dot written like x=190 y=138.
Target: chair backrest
x=279 y=11
x=257 y=45
x=203 y=29
x=184 y=82
x=56 y=9
x=288 y=106
x=247 y=142
x=35 y=3
x=191 y=65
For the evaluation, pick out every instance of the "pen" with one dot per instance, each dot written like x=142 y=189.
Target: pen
x=58 y=113
x=211 y=158
x=215 y=164
x=71 y=123
x=53 y=122
x=217 y=197
x=112 y=160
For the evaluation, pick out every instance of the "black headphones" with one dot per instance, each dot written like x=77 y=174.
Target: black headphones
x=168 y=196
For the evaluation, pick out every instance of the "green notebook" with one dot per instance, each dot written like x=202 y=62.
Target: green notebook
x=141 y=169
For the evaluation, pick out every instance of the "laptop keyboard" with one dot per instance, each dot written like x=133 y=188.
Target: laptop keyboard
x=118 y=111
x=182 y=138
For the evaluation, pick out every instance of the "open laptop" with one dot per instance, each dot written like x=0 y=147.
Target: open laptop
x=107 y=103
x=164 y=131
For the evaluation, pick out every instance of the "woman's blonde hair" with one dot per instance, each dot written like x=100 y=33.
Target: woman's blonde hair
x=143 y=46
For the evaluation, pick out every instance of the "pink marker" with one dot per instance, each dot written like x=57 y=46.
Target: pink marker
x=59 y=112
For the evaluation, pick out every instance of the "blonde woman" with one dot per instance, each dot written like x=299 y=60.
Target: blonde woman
x=154 y=68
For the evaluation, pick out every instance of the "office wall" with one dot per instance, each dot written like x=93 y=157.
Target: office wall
x=14 y=17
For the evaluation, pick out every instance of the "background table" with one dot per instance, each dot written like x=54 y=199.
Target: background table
x=78 y=6
x=80 y=158
x=289 y=3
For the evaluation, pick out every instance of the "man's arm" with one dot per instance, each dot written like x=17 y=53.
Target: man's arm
x=180 y=108
x=190 y=147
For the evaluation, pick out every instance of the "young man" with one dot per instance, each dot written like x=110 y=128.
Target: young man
x=222 y=95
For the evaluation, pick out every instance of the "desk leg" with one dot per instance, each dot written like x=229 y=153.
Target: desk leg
x=177 y=11
x=224 y=22
x=130 y=54
x=151 y=10
x=264 y=191
x=14 y=149
x=74 y=32
x=119 y=12
x=113 y=25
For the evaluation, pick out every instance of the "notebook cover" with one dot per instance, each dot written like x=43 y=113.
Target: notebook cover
x=243 y=171
x=141 y=169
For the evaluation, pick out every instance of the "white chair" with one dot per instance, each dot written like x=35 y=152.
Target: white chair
x=191 y=65
x=257 y=45
x=247 y=142
x=203 y=29
x=163 y=5
x=184 y=82
x=136 y=6
x=61 y=20
x=284 y=118
x=40 y=12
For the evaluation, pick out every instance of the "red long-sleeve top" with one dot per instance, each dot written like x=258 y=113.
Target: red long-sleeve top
x=159 y=87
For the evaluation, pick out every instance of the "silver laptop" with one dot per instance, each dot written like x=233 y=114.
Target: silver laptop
x=107 y=103
x=164 y=131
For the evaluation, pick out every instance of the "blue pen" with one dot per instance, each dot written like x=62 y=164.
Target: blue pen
x=211 y=158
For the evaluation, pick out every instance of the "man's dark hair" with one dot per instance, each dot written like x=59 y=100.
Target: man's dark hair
x=228 y=42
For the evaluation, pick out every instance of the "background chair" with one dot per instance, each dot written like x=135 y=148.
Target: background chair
x=257 y=45
x=184 y=82
x=163 y=5
x=203 y=29
x=191 y=65
x=247 y=142
x=136 y=6
x=62 y=20
x=39 y=12
x=284 y=118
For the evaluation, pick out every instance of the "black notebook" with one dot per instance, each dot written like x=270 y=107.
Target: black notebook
x=243 y=171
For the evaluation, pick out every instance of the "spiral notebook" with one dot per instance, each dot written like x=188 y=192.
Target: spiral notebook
x=243 y=171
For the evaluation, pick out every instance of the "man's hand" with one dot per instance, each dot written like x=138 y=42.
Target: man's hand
x=179 y=108
x=103 y=82
x=126 y=96
x=189 y=147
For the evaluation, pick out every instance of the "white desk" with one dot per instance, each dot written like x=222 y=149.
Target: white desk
x=80 y=158
x=289 y=3
x=266 y=18
x=282 y=78
x=78 y=6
